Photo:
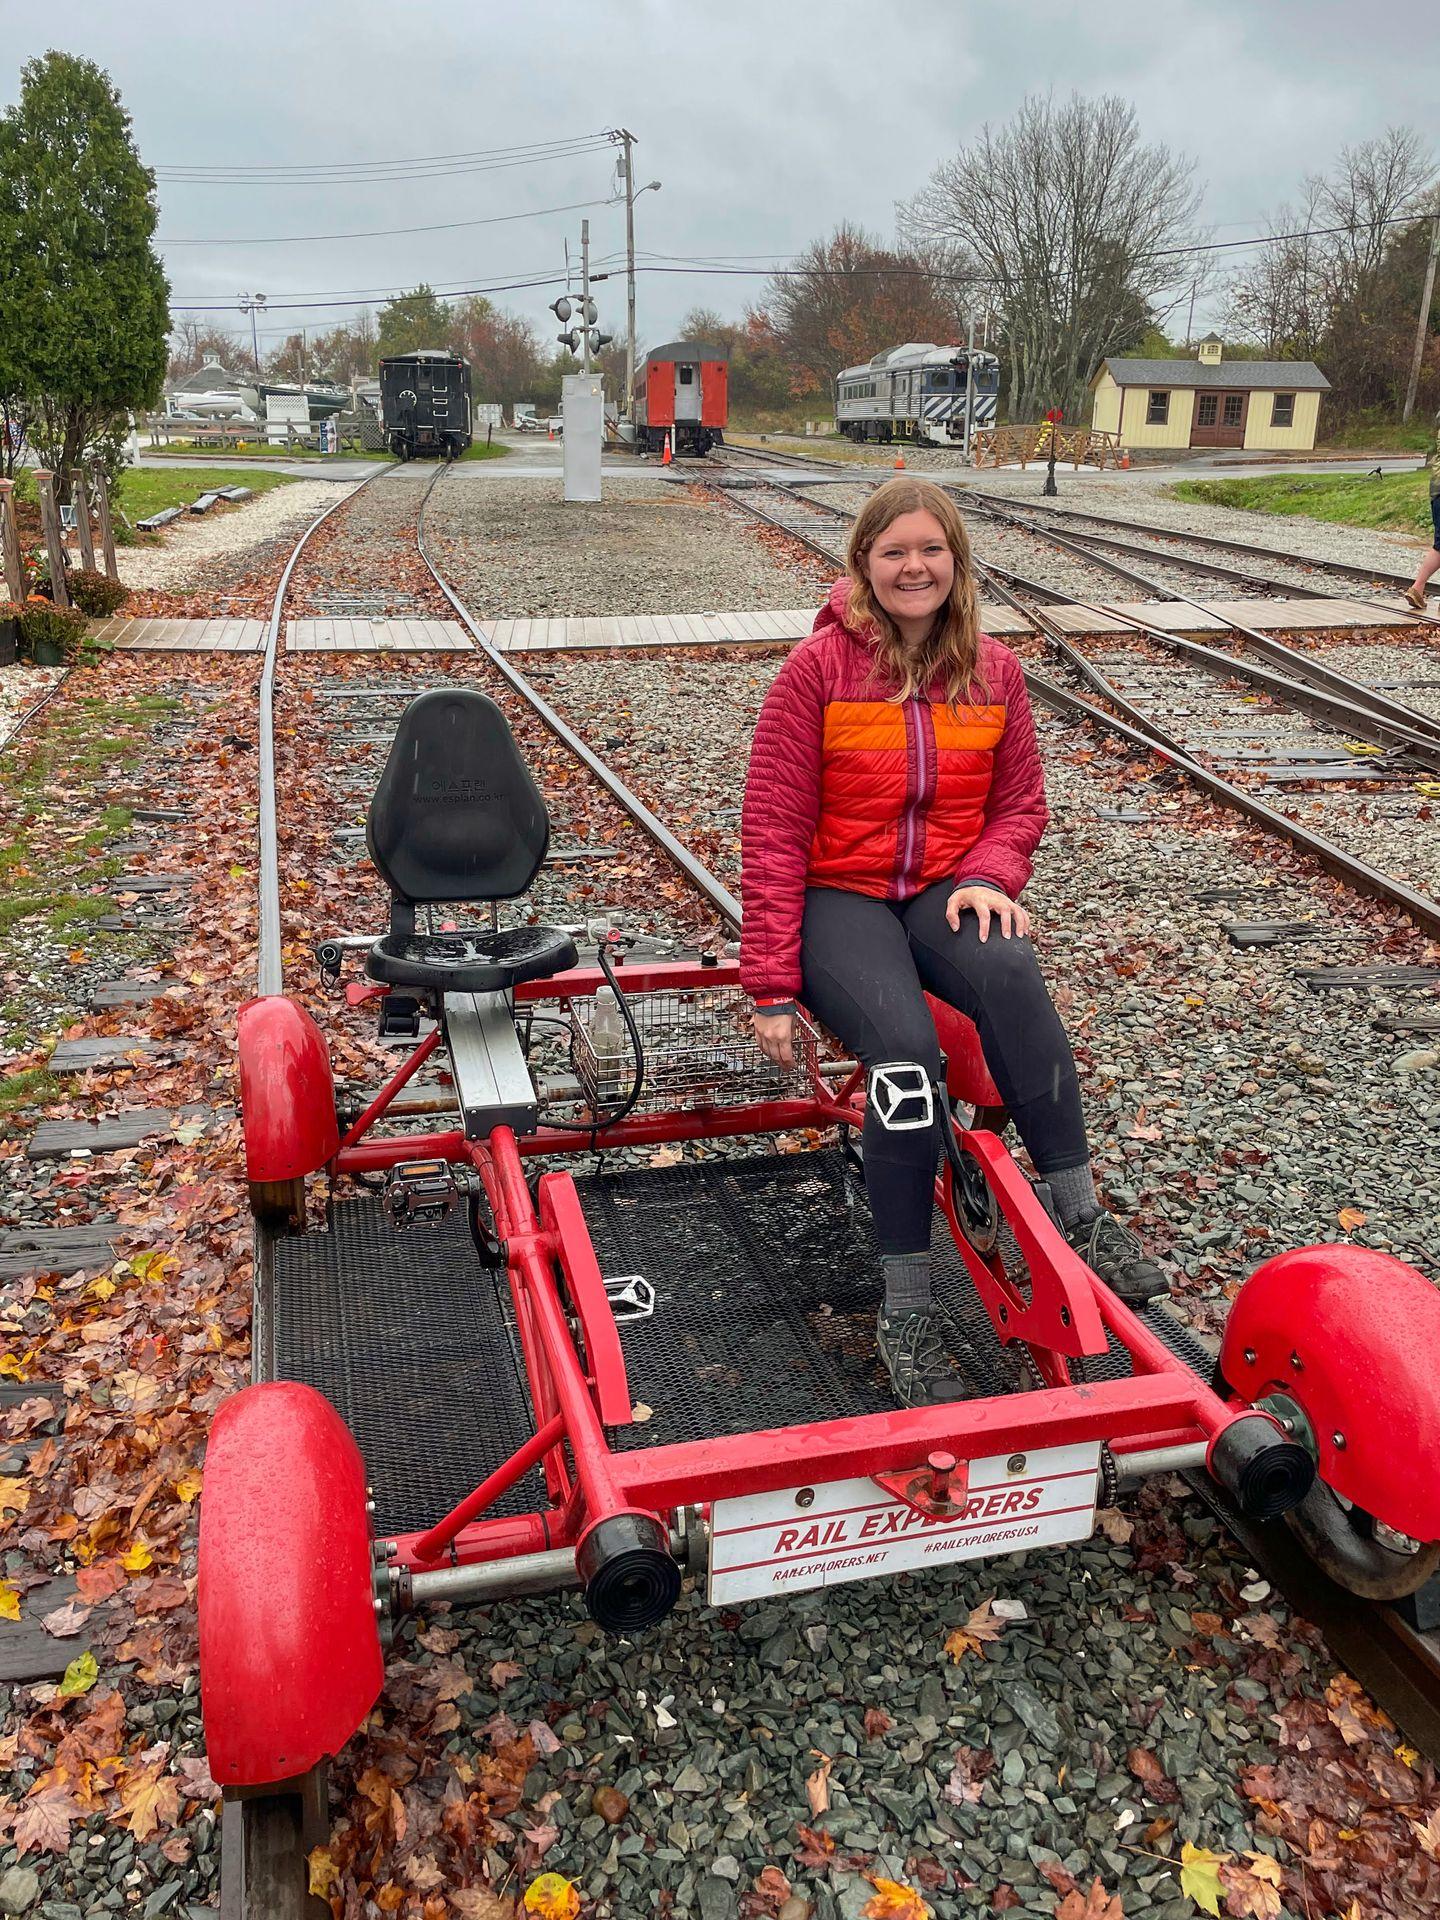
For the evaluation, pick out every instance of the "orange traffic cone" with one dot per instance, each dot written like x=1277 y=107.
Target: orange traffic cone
x=899 y=460
x=666 y=458
x=1125 y=462
x=551 y=432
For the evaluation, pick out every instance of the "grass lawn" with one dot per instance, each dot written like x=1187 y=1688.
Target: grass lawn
x=144 y=490
x=1397 y=501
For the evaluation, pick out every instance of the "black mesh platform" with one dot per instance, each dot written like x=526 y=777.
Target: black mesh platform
x=767 y=1278
x=766 y=1275
x=404 y=1333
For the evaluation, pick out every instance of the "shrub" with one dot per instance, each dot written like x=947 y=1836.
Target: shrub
x=96 y=593
x=41 y=620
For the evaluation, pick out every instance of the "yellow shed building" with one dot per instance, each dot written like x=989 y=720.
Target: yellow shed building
x=1267 y=405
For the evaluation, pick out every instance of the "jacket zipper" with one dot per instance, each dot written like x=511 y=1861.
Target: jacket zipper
x=913 y=840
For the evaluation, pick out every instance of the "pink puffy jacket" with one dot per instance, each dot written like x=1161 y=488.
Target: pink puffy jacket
x=849 y=788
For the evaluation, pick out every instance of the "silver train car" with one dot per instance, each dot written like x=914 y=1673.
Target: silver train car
x=918 y=392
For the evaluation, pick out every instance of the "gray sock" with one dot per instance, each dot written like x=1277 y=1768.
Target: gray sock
x=1073 y=1191
x=907 y=1283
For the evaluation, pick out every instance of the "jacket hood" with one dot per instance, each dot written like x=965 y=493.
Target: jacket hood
x=835 y=614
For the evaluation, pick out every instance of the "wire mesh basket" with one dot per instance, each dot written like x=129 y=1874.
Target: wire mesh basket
x=700 y=1051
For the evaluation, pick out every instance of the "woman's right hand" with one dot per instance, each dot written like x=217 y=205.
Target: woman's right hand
x=776 y=1034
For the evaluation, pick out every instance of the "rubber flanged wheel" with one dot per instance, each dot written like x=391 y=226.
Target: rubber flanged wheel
x=1341 y=1540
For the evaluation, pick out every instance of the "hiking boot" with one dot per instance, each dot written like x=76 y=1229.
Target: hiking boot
x=912 y=1345
x=1414 y=597
x=1117 y=1256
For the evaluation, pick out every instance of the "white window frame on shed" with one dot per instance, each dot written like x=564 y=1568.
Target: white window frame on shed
x=1276 y=418
x=1162 y=395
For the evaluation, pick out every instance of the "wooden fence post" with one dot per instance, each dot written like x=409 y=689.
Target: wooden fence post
x=80 y=497
x=50 y=527
x=10 y=543
x=107 y=530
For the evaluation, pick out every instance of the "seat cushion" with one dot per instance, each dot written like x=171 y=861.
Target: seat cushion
x=471 y=959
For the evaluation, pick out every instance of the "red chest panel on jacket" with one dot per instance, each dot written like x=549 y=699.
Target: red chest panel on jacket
x=902 y=792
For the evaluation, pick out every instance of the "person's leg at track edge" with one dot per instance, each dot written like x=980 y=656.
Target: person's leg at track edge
x=861 y=983
x=997 y=983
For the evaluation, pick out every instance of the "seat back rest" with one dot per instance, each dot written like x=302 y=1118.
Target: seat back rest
x=456 y=815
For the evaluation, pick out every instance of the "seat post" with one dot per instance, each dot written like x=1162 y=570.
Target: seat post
x=402 y=917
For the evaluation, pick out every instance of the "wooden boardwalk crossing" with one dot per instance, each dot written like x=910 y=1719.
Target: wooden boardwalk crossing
x=741 y=627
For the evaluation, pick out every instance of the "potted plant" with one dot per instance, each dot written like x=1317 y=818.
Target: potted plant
x=50 y=635
x=10 y=612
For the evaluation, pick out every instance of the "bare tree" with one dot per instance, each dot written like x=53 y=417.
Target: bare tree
x=192 y=341
x=1081 y=230
x=1338 y=280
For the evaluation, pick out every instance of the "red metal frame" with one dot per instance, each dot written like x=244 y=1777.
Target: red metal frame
x=1063 y=1313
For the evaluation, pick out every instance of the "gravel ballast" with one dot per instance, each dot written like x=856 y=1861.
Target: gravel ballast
x=651 y=546
x=195 y=544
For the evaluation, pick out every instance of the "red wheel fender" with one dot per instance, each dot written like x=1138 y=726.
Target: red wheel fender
x=966 y=1075
x=290 y=1660
x=287 y=1092
x=1352 y=1336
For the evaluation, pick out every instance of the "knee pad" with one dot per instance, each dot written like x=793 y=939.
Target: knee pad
x=901 y=1096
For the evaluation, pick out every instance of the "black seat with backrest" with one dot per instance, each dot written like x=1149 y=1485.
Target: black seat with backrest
x=457 y=818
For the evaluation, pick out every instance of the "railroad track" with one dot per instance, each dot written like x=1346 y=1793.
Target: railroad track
x=264 y=1839
x=1075 y=520
x=1345 y=707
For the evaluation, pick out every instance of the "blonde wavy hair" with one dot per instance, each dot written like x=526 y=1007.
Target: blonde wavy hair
x=951 y=651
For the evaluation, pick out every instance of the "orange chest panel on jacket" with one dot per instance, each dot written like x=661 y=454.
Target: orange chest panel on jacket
x=902 y=791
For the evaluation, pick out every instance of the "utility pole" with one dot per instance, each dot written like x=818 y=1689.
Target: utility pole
x=970 y=387
x=1423 y=327
x=585 y=296
x=629 y=163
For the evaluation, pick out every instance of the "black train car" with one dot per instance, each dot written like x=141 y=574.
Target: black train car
x=425 y=403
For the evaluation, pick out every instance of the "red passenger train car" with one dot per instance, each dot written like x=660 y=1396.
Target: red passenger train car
x=684 y=386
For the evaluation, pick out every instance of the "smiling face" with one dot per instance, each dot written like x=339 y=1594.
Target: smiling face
x=911 y=571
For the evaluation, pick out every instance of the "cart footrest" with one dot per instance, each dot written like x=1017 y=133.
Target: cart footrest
x=404 y=1333
x=767 y=1281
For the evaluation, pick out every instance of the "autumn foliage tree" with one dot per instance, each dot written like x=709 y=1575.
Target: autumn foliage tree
x=848 y=297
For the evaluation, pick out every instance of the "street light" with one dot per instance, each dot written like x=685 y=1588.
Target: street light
x=253 y=303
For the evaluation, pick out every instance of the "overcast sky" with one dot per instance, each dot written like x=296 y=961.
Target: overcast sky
x=767 y=122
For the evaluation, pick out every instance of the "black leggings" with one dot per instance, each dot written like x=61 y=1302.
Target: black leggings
x=867 y=965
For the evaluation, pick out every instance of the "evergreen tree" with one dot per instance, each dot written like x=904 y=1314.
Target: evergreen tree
x=84 y=313
x=413 y=321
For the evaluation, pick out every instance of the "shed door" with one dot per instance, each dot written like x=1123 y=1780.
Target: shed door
x=1219 y=419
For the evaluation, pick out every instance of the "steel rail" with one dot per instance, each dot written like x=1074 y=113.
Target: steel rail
x=1339 y=713
x=270 y=973
x=1290 y=659
x=1141 y=730
x=1347 y=569
x=700 y=876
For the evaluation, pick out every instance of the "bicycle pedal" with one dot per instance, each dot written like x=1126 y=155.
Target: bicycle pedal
x=417 y=1190
x=631 y=1297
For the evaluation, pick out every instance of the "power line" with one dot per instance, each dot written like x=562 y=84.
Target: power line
x=383 y=177
x=320 y=172
x=824 y=273
x=389 y=233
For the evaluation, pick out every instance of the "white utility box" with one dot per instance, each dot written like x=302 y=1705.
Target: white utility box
x=582 y=406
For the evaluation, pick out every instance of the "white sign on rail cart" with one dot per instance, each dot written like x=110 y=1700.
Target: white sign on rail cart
x=820 y=1535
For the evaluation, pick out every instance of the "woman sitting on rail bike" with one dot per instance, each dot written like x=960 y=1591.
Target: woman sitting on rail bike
x=894 y=801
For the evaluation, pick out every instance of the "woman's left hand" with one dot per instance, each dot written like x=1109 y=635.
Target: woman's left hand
x=985 y=902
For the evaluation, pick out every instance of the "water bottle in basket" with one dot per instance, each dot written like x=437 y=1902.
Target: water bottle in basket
x=609 y=1040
